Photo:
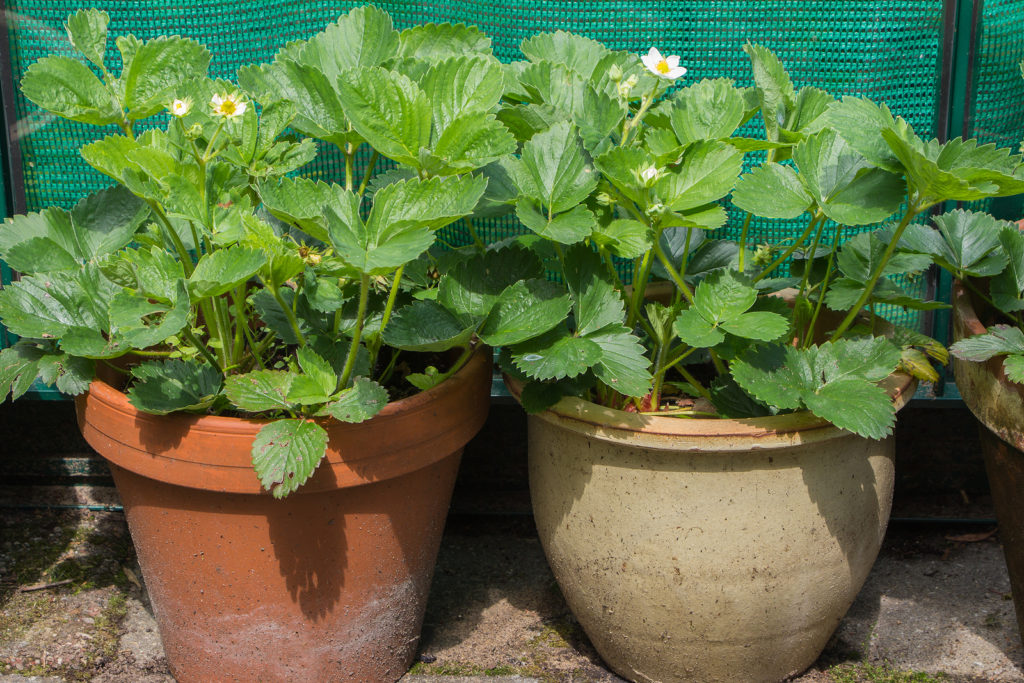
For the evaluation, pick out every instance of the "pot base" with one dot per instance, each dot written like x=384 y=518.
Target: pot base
x=327 y=586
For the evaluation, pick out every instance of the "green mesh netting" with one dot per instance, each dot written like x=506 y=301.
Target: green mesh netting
x=888 y=50
x=998 y=93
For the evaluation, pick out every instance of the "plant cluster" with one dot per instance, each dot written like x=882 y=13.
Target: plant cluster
x=610 y=167
x=987 y=255
x=234 y=284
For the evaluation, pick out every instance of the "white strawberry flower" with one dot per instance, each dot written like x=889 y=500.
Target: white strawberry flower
x=229 y=106
x=649 y=175
x=664 y=67
x=181 y=107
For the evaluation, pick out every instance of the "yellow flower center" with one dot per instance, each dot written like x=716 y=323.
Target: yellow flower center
x=663 y=67
x=228 y=107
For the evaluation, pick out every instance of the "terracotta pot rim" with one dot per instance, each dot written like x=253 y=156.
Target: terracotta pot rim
x=965 y=308
x=214 y=453
x=576 y=413
x=104 y=392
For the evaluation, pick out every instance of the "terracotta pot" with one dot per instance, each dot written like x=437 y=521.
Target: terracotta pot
x=998 y=404
x=329 y=584
x=703 y=549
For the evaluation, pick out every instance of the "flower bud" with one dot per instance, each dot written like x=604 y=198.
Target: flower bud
x=604 y=199
x=615 y=73
x=194 y=132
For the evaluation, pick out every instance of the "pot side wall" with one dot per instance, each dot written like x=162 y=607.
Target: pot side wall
x=710 y=566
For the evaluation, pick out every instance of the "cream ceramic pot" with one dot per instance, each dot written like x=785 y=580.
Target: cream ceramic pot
x=708 y=550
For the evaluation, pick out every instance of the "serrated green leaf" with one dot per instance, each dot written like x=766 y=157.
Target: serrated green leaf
x=157 y=69
x=598 y=115
x=463 y=84
x=402 y=221
x=525 y=310
x=861 y=255
x=972 y=241
x=624 y=237
x=843 y=183
x=1007 y=288
x=569 y=227
x=426 y=326
x=470 y=141
x=472 y=287
x=167 y=386
x=436 y=42
x=998 y=340
x=553 y=169
x=364 y=399
x=317 y=369
x=87 y=31
x=623 y=365
x=69 y=305
x=710 y=109
x=68 y=88
x=318 y=109
x=776 y=374
x=1013 y=366
x=624 y=167
x=526 y=120
x=302 y=202
x=222 y=270
x=556 y=354
x=760 y=325
x=260 y=390
x=579 y=53
x=143 y=321
x=19 y=366
x=693 y=329
x=723 y=295
x=390 y=111
x=536 y=397
x=595 y=301
x=731 y=402
x=860 y=122
x=285 y=454
x=855 y=406
x=771 y=191
x=362 y=38
x=774 y=87
x=707 y=172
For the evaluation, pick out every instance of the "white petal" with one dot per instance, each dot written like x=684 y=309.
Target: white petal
x=240 y=109
x=677 y=72
x=672 y=61
x=651 y=60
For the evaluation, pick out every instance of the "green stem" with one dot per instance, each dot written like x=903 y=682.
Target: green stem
x=809 y=335
x=191 y=339
x=809 y=260
x=151 y=354
x=293 y=322
x=357 y=333
x=348 y=167
x=480 y=244
x=389 y=369
x=743 y=239
x=677 y=359
x=692 y=381
x=676 y=277
x=172 y=236
x=641 y=272
x=369 y=171
x=793 y=247
x=869 y=287
x=388 y=308
x=241 y=322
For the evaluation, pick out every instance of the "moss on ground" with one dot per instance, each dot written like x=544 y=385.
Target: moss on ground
x=871 y=673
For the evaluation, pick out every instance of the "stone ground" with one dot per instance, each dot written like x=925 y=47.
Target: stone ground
x=72 y=608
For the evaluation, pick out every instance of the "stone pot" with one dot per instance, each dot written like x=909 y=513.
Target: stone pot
x=998 y=404
x=328 y=584
x=704 y=549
